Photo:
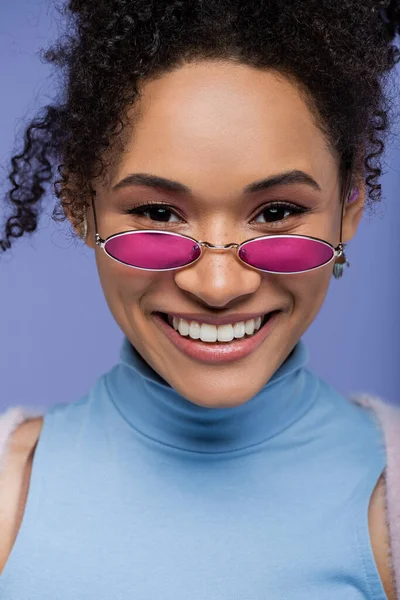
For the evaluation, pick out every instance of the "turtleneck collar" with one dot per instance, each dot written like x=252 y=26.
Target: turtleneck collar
x=155 y=409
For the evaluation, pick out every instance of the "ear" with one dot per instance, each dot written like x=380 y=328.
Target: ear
x=78 y=225
x=353 y=212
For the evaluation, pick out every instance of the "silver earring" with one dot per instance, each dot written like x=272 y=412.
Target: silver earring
x=339 y=265
x=342 y=260
x=85 y=227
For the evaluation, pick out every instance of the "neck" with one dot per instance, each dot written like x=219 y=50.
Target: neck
x=153 y=408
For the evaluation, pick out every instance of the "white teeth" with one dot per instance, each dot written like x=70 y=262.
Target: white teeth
x=194 y=330
x=211 y=333
x=183 y=327
x=239 y=330
x=208 y=333
x=225 y=333
x=249 y=327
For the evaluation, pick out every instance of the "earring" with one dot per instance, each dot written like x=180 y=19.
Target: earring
x=339 y=264
x=85 y=227
x=342 y=260
x=355 y=192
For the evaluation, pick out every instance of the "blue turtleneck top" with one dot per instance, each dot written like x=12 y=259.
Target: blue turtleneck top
x=137 y=493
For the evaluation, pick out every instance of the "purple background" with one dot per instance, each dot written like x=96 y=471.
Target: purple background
x=57 y=334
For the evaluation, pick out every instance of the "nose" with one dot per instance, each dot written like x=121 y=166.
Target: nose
x=218 y=278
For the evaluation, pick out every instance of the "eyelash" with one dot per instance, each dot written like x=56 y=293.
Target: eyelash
x=141 y=209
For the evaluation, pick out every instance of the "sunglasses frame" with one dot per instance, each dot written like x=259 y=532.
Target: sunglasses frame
x=336 y=252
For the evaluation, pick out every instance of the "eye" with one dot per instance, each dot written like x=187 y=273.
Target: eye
x=161 y=213
x=278 y=211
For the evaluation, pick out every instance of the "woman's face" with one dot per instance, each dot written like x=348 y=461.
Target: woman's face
x=217 y=127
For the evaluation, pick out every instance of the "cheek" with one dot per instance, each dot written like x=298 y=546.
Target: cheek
x=120 y=282
x=309 y=290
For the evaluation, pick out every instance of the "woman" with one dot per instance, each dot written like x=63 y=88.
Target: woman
x=217 y=156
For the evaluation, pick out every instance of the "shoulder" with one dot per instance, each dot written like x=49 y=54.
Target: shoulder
x=380 y=538
x=10 y=420
x=387 y=414
x=384 y=508
x=19 y=433
x=387 y=417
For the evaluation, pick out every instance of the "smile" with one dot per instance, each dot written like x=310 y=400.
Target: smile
x=216 y=343
x=209 y=333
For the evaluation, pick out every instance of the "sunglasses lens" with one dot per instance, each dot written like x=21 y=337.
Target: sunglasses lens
x=153 y=251
x=286 y=254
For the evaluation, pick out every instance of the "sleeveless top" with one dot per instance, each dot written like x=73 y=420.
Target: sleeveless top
x=138 y=493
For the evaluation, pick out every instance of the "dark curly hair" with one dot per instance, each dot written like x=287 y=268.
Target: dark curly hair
x=339 y=53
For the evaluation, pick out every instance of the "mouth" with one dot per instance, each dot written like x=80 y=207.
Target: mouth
x=214 y=344
x=220 y=334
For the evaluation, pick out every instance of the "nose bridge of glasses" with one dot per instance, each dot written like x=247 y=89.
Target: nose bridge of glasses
x=216 y=247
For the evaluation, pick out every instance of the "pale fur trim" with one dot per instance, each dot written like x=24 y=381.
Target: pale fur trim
x=388 y=417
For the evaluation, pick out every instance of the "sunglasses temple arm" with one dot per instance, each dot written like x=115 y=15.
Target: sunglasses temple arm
x=346 y=191
x=98 y=239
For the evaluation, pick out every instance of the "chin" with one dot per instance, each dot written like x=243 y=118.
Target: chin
x=225 y=395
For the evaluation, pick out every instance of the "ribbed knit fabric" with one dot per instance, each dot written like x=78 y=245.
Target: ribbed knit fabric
x=138 y=493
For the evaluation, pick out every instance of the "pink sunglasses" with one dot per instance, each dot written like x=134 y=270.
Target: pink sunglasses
x=154 y=250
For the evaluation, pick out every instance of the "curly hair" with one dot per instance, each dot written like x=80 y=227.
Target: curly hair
x=340 y=54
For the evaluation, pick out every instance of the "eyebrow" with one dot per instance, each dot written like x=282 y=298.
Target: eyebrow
x=169 y=185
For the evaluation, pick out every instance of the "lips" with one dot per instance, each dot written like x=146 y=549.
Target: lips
x=213 y=320
x=217 y=352
x=210 y=333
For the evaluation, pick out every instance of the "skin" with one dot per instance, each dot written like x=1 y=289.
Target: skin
x=216 y=127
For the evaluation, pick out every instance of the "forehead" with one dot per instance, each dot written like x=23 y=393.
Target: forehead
x=220 y=118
